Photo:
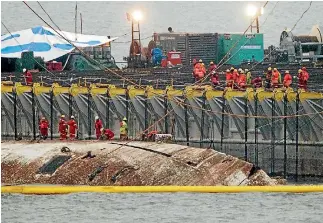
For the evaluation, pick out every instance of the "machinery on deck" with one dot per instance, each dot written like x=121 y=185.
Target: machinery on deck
x=298 y=49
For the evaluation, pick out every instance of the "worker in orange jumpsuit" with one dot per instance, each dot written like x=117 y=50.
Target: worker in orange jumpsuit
x=43 y=128
x=106 y=134
x=98 y=126
x=242 y=80
x=287 y=79
x=212 y=67
x=275 y=78
x=28 y=76
x=62 y=127
x=196 y=70
x=229 y=78
x=305 y=77
x=235 y=76
x=268 y=77
x=215 y=79
x=72 y=126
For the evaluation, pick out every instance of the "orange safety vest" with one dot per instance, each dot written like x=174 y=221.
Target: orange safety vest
x=242 y=80
x=287 y=80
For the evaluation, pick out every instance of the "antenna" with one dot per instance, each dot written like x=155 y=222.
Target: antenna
x=75 y=20
x=81 y=23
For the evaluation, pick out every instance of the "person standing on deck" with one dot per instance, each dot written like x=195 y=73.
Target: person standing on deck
x=305 y=77
x=72 y=126
x=215 y=79
x=275 y=78
x=212 y=67
x=229 y=78
x=268 y=78
x=124 y=129
x=62 y=128
x=98 y=127
x=242 y=80
x=43 y=128
x=28 y=77
x=235 y=76
x=287 y=79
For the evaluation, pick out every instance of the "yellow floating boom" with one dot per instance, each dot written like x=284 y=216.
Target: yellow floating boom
x=55 y=189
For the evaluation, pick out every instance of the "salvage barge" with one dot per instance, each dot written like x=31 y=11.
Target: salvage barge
x=126 y=164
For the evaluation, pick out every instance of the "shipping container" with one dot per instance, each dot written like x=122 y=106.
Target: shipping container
x=213 y=46
x=191 y=45
x=245 y=48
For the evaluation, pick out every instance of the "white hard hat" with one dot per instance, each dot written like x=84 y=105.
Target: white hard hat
x=72 y=116
x=96 y=117
x=24 y=70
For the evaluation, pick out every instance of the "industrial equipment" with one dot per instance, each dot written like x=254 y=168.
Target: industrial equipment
x=303 y=48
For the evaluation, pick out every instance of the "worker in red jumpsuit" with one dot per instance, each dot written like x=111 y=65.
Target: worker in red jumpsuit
x=257 y=82
x=106 y=134
x=196 y=70
x=229 y=78
x=302 y=78
x=43 y=128
x=98 y=127
x=212 y=67
x=215 y=79
x=242 y=80
x=287 y=79
x=28 y=77
x=72 y=126
x=62 y=128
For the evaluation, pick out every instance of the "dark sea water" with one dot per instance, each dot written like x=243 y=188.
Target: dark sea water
x=169 y=207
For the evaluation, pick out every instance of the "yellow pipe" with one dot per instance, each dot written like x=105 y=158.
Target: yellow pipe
x=159 y=189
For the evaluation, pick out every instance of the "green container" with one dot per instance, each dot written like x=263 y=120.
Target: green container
x=249 y=47
x=27 y=60
x=18 y=65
